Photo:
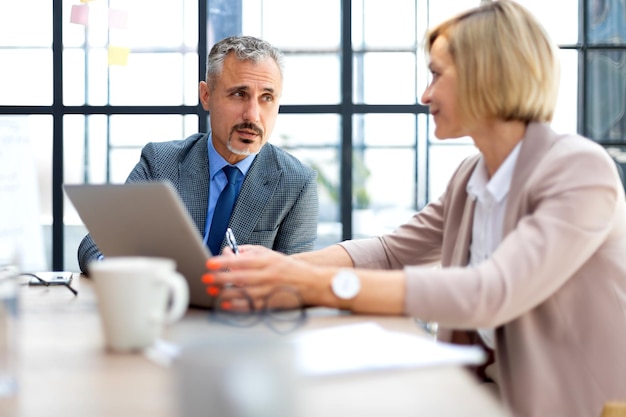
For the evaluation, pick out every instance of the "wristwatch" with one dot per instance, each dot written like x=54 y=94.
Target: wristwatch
x=345 y=285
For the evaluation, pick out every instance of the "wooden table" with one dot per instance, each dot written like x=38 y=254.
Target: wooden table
x=64 y=370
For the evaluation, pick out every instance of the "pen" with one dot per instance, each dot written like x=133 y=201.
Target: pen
x=230 y=239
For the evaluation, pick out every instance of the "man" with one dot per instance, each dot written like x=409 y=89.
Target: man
x=276 y=202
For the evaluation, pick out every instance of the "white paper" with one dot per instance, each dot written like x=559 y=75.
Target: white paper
x=21 y=235
x=367 y=347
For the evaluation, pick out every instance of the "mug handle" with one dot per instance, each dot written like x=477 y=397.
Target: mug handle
x=180 y=296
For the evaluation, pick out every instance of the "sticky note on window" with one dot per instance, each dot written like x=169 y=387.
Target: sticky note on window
x=118 y=19
x=79 y=14
x=118 y=55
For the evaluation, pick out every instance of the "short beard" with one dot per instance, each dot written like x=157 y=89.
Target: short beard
x=242 y=152
x=245 y=152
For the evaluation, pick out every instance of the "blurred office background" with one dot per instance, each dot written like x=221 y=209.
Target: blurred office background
x=90 y=82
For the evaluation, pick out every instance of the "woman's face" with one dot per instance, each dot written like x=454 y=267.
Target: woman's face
x=441 y=94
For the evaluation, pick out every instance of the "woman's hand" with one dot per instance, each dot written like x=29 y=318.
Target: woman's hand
x=260 y=270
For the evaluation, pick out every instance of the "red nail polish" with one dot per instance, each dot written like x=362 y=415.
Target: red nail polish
x=212 y=264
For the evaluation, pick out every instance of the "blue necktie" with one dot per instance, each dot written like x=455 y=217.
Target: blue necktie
x=223 y=210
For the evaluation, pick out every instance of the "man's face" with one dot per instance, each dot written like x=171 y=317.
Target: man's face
x=243 y=106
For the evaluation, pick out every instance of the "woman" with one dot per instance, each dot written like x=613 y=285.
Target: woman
x=530 y=233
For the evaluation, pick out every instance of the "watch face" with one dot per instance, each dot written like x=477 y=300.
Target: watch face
x=346 y=284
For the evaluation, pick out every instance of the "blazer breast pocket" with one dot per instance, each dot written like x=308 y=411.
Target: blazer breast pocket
x=263 y=237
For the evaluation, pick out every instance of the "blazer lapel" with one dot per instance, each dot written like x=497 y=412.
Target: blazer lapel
x=256 y=192
x=459 y=216
x=460 y=254
x=539 y=137
x=194 y=183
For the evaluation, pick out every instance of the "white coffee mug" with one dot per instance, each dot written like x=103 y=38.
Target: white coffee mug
x=137 y=297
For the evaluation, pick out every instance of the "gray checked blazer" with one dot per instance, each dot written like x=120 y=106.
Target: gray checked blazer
x=277 y=206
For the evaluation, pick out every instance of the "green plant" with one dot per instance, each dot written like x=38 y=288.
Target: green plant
x=360 y=196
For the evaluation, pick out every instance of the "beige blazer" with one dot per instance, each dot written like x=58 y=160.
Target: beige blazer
x=555 y=288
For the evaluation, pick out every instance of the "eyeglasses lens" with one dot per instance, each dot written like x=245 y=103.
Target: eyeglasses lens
x=235 y=306
x=284 y=309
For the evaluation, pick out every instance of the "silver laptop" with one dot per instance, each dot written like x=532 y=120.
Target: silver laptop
x=144 y=219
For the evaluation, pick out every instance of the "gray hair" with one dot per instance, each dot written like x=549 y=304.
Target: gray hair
x=245 y=48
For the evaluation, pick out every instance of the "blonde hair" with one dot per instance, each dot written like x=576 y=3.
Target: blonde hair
x=507 y=66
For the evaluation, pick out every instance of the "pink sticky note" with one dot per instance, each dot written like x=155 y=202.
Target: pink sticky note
x=80 y=14
x=118 y=55
x=118 y=19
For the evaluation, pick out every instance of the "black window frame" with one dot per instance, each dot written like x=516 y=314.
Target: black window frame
x=346 y=109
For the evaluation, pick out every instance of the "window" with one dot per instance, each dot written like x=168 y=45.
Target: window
x=98 y=80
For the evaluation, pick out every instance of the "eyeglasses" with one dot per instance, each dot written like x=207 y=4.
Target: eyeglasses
x=281 y=310
x=47 y=283
x=431 y=327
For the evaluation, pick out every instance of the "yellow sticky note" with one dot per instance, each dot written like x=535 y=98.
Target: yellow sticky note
x=79 y=14
x=86 y=1
x=118 y=55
